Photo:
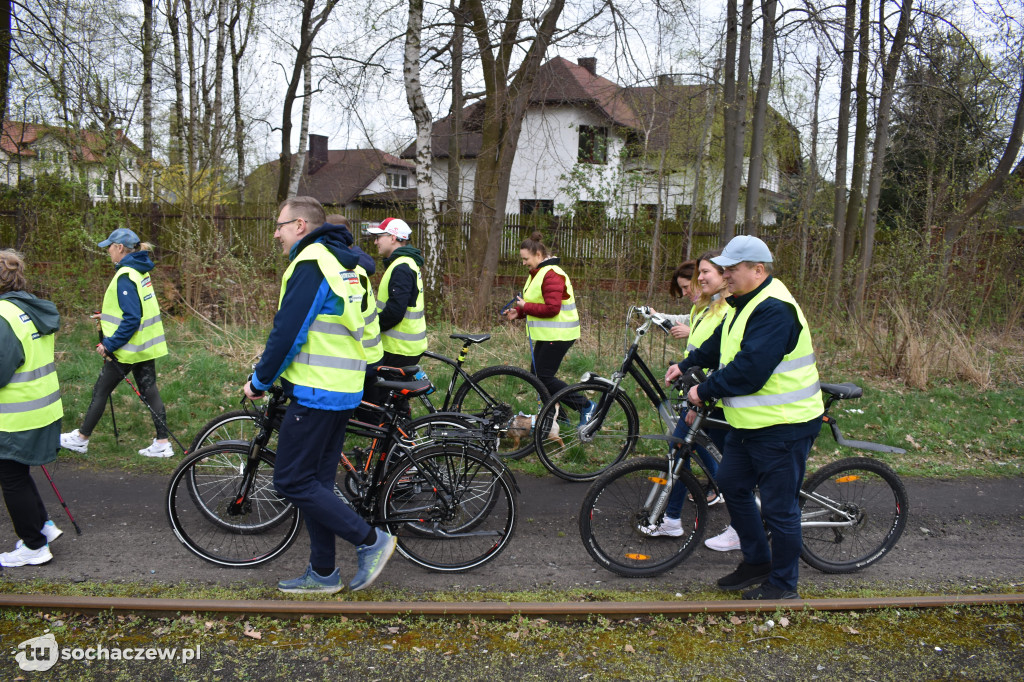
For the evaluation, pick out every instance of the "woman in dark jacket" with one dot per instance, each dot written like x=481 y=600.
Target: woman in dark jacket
x=30 y=409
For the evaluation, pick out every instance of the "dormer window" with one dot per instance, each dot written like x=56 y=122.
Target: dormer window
x=396 y=180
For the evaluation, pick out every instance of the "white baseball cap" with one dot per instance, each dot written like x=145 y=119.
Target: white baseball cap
x=396 y=227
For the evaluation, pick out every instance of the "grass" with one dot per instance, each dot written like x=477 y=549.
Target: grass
x=951 y=428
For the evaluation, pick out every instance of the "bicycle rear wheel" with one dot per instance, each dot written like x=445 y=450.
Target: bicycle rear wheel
x=624 y=500
x=451 y=507
x=570 y=455
x=516 y=392
x=860 y=507
x=199 y=507
x=236 y=425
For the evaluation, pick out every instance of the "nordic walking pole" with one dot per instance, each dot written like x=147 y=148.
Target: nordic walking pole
x=163 y=420
x=110 y=398
x=62 y=502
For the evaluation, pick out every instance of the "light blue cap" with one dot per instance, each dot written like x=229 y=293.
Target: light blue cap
x=743 y=248
x=121 y=235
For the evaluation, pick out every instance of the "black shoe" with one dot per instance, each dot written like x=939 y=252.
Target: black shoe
x=770 y=591
x=745 y=575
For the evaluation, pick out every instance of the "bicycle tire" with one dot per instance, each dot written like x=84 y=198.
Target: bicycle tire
x=872 y=493
x=566 y=453
x=266 y=529
x=450 y=506
x=618 y=504
x=235 y=425
x=517 y=391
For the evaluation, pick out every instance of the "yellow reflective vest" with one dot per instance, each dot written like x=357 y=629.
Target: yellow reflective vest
x=372 y=344
x=332 y=358
x=565 y=326
x=703 y=325
x=409 y=336
x=792 y=394
x=31 y=399
x=148 y=341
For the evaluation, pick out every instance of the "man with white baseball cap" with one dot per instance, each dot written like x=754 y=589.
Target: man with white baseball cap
x=767 y=383
x=400 y=303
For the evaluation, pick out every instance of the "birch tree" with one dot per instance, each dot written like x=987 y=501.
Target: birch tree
x=751 y=214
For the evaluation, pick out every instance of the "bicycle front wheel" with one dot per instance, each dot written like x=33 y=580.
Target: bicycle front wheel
x=632 y=497
x=236 y=425
x=450 y=507
x=509 y=395
x=852 y=513
x=565 y=451
x=200 y=507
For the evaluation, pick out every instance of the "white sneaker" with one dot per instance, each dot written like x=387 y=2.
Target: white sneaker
x=22 y=556
x=668 y=527
x=74 y=441
x=157 y=449
x=49 y=530
x=727 y=541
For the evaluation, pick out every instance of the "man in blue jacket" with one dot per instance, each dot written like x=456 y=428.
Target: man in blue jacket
x=767 y=382
x=315 y=347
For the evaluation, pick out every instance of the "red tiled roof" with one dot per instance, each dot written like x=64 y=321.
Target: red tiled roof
x=346 y=174
x=89 y=146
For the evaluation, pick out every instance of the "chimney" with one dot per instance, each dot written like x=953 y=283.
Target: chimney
x=588 y=63
x=666 y=80
x=317 y=157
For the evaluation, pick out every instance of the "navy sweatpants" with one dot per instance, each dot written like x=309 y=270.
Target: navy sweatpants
x=309 y=449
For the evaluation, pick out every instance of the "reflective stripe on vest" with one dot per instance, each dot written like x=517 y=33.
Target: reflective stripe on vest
x=31 y=399
x=792 y=394
x=409 y=336
x=565 y=326
x=372 y=345
x=332 y=357
x=148 y=341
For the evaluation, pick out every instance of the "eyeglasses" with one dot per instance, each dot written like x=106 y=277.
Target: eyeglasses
x=282 y=224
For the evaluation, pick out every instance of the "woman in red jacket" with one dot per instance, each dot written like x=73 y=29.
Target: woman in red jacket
x=552 y=321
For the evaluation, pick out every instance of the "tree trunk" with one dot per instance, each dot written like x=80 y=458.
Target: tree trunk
x=505 y=104
x=146 y=165
x=705 y=145
x=217 y=134
x=653 y=272
x=177 y=145
x=299 y=160
x=431 y=238
x=730 y=193
x=842 y=143
x=734 y=154
x=5 y=56
x=812 y=176
x=889 y=71
x=752 y=213
x=860 y=139
x=453 y=198
x=238 y=46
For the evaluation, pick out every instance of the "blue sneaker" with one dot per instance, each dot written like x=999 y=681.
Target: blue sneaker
x=372 y=560
x=587 y=412
x=311 y=582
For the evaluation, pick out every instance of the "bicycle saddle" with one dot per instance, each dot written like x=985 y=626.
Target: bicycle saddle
x=841 y=391
x=471 y=338
x=397 y=373
x=408 y=389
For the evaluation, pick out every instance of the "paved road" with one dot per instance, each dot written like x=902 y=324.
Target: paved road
x=960 y=533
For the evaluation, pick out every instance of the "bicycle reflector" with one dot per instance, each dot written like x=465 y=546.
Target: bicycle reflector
x=658 y=480
x=637 y=557
x=848 y=479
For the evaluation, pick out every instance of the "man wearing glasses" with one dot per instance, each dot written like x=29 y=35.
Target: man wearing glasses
x=315 y=348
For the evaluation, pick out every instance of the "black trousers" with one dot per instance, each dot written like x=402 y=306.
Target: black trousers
x=547 y=358
x=111 y=375
x=23 y=502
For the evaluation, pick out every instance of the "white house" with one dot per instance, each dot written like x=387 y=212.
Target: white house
x=108 y=168
x=590 y=145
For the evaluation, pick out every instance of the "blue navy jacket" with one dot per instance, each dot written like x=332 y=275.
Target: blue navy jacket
x=307 y=295
x=772 y=332
x=128 y=299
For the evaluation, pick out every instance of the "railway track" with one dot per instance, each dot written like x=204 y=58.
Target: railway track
x=494 y=610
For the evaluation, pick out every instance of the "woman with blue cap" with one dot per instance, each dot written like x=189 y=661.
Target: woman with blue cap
x=133 y=337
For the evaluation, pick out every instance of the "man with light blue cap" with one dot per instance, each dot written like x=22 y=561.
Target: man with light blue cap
x=767 y=383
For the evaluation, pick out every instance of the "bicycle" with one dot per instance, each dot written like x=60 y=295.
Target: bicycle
x=584 y=453
x=451 y=504
x=853 y=510
x=499 y=394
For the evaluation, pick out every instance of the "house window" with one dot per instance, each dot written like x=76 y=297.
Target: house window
x=132 y=190
x=590 y=214
x=129 y=163
x=646 y=211
x=537 y=206
x=593 y=145
x=41 y=155
x=396 y=180
x=101 y=187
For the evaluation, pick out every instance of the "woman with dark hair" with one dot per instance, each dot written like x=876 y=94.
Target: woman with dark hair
x=133 y=339
x=552 y=321
x=30 y=410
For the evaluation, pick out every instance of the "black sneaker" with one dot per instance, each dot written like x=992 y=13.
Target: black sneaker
x=770 y=591
x=745 y=575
